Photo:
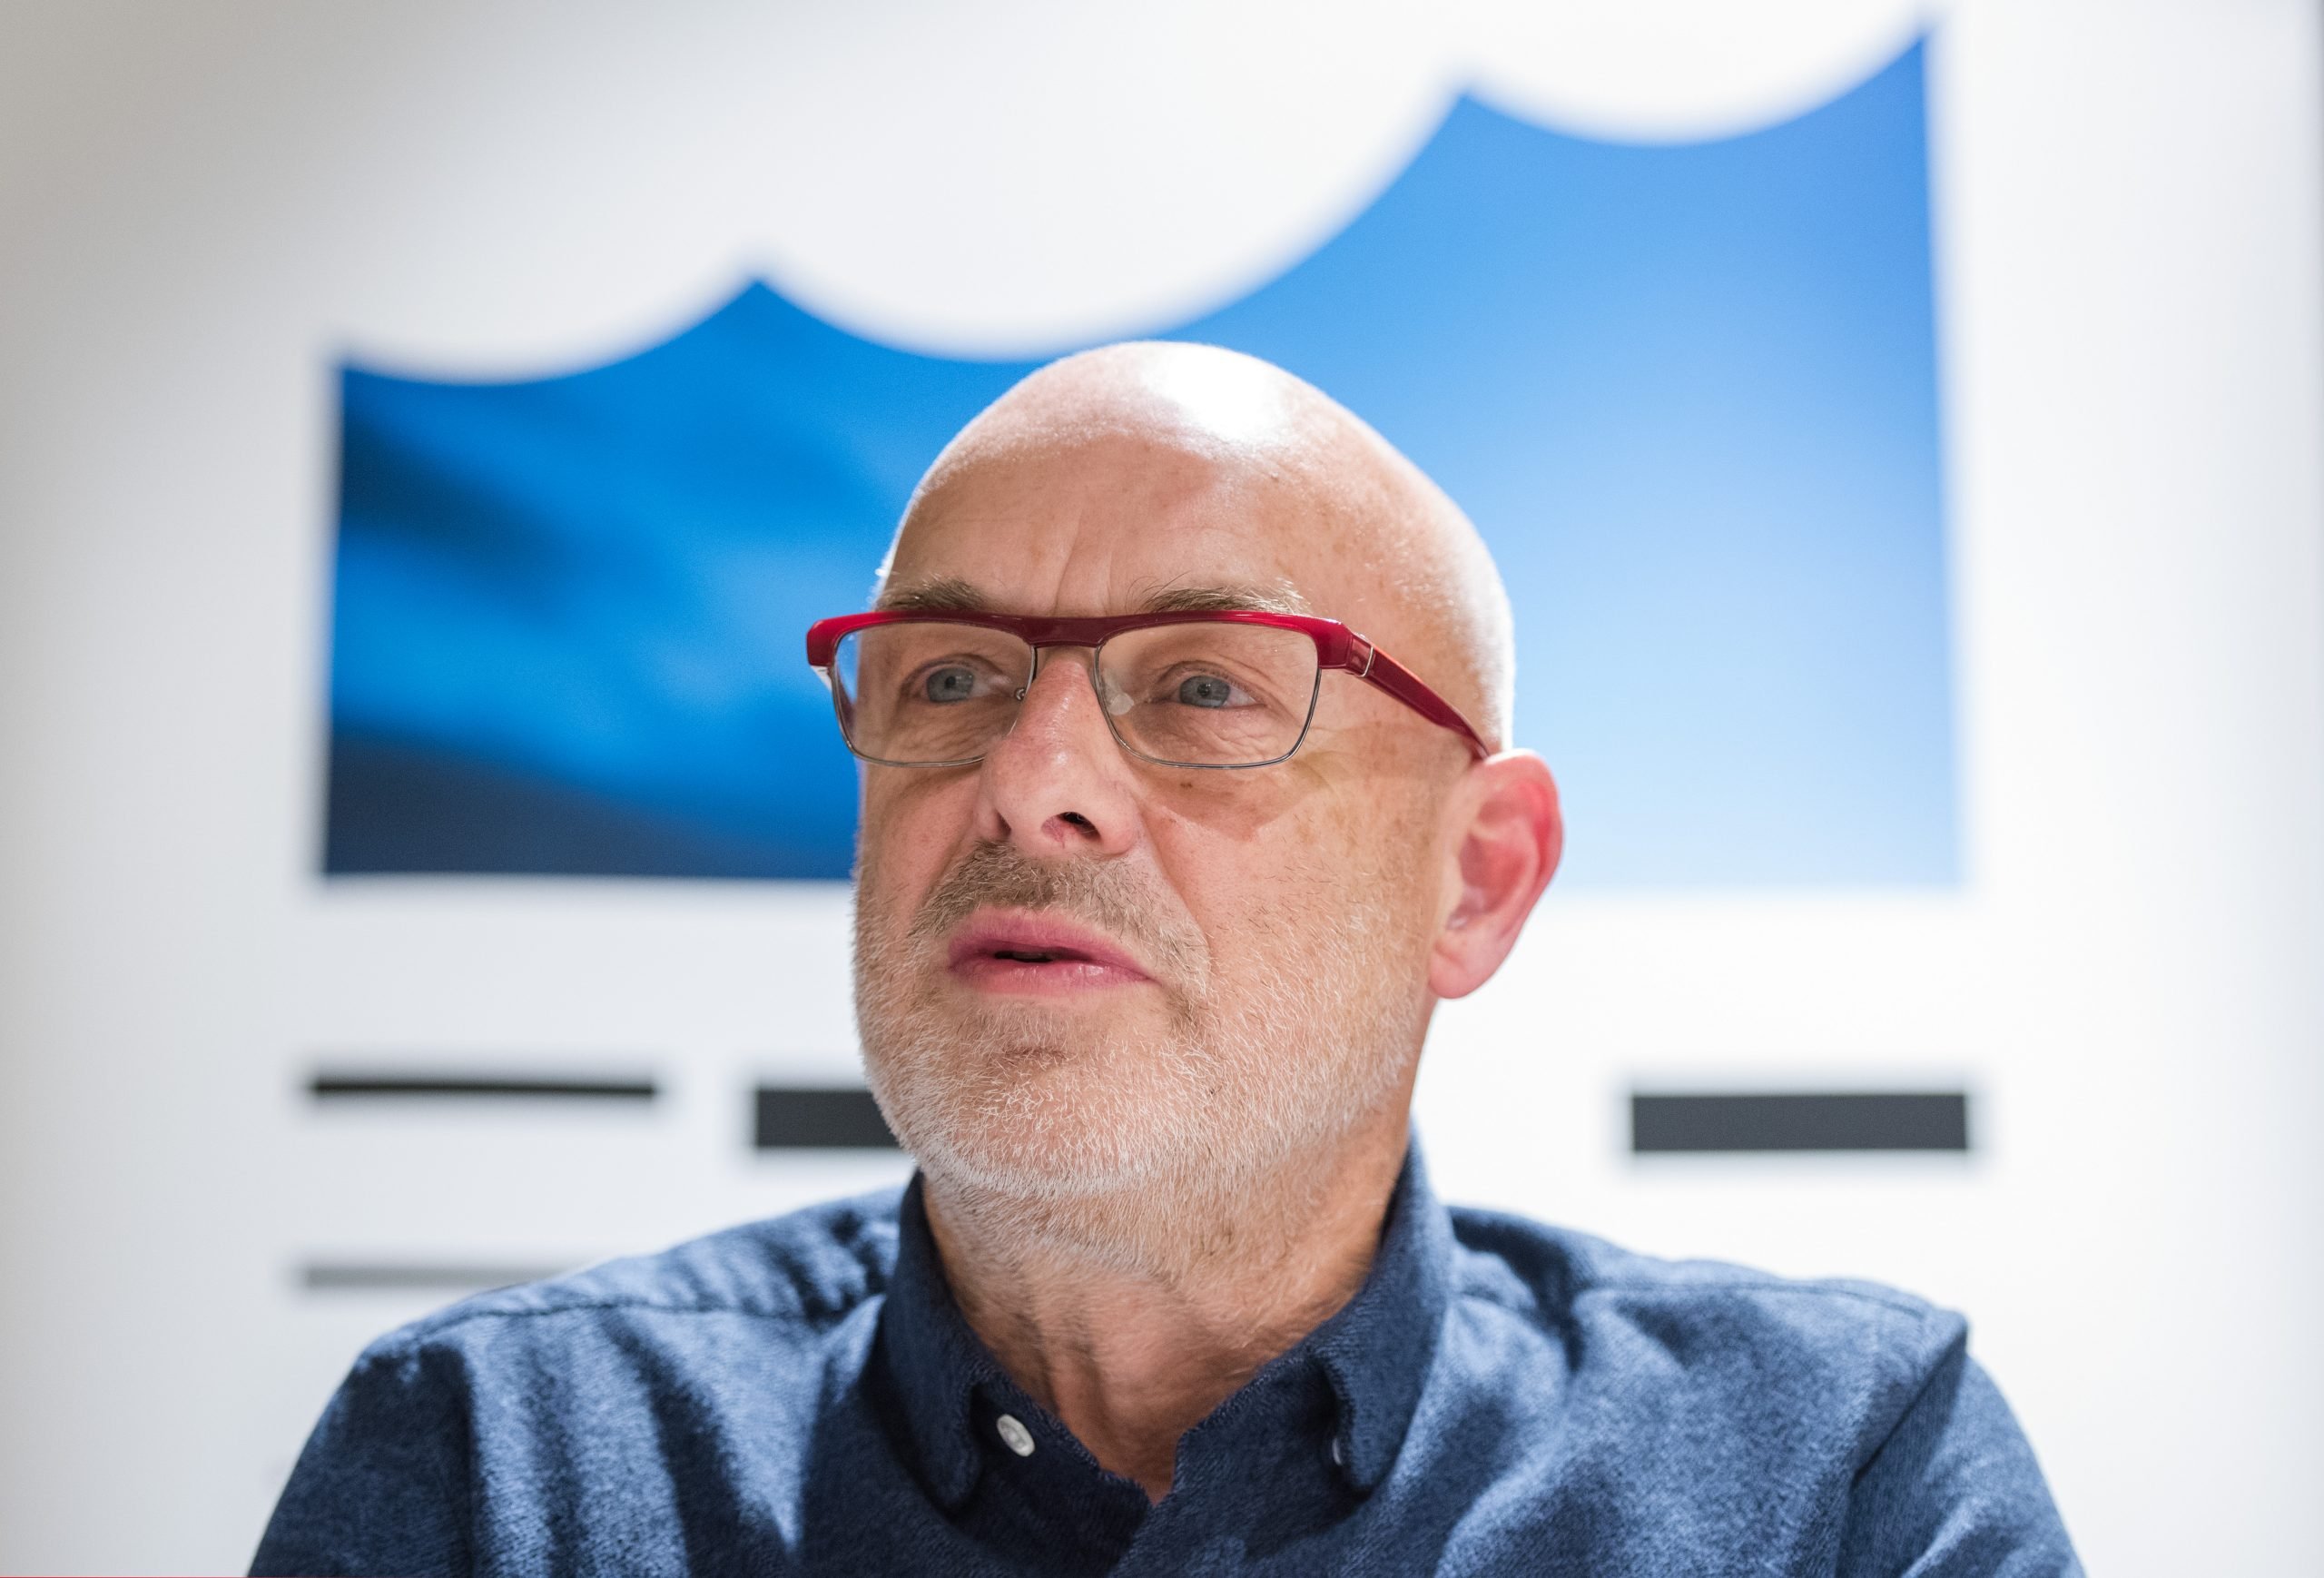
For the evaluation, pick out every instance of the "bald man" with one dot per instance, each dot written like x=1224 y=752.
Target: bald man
x=1184 y=707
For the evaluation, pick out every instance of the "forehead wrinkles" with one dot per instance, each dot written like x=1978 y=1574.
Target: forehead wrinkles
x=1115 y=527
x=1037 y=509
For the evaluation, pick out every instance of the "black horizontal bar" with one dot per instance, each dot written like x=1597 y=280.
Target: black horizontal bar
x=336 y=1085
x=414 y=1276
x=1800 y=1120
x=788 y=1117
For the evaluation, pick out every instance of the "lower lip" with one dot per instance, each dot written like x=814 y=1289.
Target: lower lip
x=1056 y=978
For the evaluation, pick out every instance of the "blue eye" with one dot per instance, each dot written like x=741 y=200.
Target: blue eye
x=1206 y=690
x=951 y=685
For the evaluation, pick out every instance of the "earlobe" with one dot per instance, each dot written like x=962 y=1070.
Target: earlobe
x=1503 y=859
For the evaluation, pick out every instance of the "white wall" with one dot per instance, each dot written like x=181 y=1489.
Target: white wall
x=202 y=208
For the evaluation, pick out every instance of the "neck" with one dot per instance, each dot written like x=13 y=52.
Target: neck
x=1131 y=1337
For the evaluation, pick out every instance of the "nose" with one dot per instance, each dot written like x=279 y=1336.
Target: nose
x=1057 y=784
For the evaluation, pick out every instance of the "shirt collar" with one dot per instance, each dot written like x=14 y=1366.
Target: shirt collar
x=1375 y=1352
x=934 y=1359
x=1378 y=1349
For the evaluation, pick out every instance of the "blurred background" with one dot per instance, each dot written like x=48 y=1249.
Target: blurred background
x=426 y=431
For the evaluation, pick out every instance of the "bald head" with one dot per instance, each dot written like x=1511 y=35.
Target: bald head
x=1333 y=518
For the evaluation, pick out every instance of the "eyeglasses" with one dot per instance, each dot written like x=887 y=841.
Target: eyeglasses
x=1179 y=689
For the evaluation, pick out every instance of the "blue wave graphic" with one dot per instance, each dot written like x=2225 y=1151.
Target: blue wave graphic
x=1689 y=394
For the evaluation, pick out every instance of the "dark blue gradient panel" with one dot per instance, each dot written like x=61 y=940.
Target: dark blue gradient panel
x=1687 y=392
x=569 y=625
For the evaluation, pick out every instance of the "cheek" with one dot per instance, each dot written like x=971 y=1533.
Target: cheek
x=1267 y=897
x=909 y=832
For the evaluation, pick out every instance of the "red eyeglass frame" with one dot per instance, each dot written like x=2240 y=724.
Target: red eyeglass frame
x=1337 y=647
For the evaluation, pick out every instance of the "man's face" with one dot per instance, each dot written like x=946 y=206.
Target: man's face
x=1078 y=972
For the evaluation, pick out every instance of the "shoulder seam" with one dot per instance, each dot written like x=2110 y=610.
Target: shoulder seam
x=428 y=1328
x=1899 y=1303
x=1902 y=1302
x=1921 y=1389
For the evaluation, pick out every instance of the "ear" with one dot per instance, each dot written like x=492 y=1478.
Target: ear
x=1503 y=855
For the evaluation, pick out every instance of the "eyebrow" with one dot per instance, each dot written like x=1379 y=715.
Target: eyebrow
x=951 y=595
x=1283 y=597
x=944 y=595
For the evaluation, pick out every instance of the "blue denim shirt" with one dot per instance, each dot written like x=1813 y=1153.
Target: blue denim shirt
x=802 y=1395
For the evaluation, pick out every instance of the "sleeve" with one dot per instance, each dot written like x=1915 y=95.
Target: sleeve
x=376 y=1488
x=1954 y=1490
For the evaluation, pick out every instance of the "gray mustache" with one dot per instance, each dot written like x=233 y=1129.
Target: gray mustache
x=1121 y=903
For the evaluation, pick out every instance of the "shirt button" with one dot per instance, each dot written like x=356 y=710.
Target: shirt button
x=1339 y=1458
x=1014 y=1435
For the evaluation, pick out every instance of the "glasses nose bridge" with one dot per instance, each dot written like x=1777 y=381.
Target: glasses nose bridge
x=1040 y=648
x=1097 y=686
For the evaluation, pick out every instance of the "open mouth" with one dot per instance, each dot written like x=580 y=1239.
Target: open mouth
x=1033 y=953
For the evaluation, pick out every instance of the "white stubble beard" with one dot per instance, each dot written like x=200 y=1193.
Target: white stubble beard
x=1138 y=1150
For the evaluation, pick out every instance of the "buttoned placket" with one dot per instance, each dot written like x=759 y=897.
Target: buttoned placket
x=1317 y=1428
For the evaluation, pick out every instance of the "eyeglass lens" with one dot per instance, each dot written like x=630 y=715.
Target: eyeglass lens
x=1200 y=694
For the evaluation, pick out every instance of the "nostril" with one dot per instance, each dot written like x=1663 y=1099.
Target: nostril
x=1080 y=821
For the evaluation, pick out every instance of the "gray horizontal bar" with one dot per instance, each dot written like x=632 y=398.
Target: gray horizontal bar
x=415 y=1276
x=340 y=1084
x=1817 y=1120
x=788 y=1117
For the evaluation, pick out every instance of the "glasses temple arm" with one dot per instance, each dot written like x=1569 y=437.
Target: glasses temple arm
x=1375 y=667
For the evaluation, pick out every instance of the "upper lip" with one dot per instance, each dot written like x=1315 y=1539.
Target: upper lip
x=989 y=933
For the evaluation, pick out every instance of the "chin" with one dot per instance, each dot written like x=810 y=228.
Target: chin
x=1045 y=1106
x=1041 y=1110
